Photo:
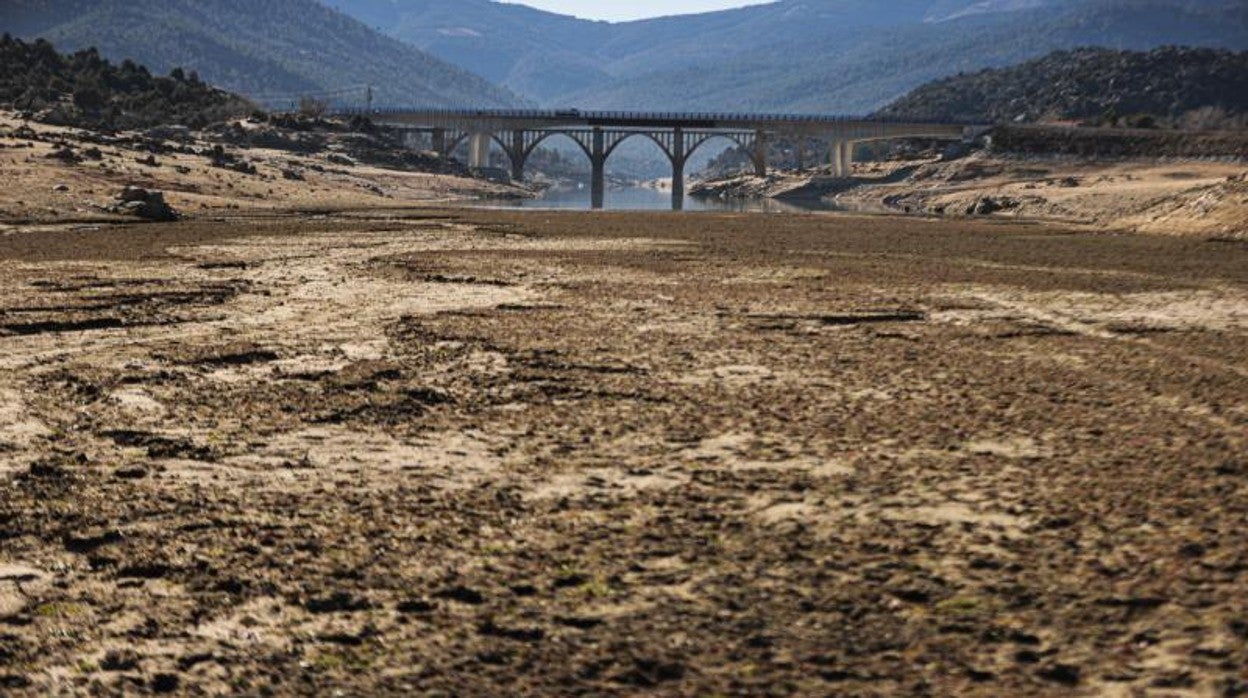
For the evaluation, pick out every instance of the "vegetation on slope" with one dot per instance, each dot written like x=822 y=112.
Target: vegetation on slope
x=1182 y=87
x=254 y=48
x=83 y=89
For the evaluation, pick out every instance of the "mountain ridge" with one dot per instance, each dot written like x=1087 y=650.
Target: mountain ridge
x=279 y=46
x=792 y=55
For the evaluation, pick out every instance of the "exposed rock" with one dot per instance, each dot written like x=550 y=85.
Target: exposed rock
x=65 y=155
x=143 y=203
x=989 y=205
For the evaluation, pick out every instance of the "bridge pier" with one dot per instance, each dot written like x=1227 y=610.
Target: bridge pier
x=841 y=156
x=479 y=151
x=679 y=158
x=598 y=177
x=439 y=141
x=516 y=153
x=760 y=154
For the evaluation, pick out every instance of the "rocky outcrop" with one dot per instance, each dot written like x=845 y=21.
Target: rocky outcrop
x=143 y=203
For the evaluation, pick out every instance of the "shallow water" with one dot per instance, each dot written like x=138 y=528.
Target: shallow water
x=647 y=199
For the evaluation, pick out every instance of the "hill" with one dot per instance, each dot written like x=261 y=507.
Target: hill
x=539 y=54
x=85 y=90
x=792 y=55
x=1166 y=86
x=254 y=48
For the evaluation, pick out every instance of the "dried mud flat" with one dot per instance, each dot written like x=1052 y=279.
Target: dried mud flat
x=486 y=453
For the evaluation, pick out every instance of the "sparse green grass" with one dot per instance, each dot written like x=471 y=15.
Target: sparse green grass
x=966 y=606
x=59 y=609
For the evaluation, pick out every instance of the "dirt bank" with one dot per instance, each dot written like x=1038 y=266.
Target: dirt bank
x=55 y=174
x=1201 y=198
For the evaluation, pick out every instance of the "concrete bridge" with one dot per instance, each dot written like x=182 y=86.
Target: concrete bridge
x=678 y=135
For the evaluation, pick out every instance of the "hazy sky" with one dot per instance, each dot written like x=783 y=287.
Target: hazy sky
x=618 y=10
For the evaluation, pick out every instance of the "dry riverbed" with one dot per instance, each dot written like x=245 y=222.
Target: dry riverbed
x=483 y=453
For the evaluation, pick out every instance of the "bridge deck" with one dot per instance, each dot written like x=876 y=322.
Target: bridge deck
x=548 y=118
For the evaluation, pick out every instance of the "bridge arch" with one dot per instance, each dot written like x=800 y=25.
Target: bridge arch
x=547 y=135
x=618 y=139
x=456 y=139
x=524 y=144
x=750 y=143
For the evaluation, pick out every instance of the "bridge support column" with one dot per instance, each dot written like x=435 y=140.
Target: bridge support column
x=801 y=153
x=479 y=151
x=760 y=154
x=439 y=141
x=517 y=156
x=598 y=179
x=842 y=157
x=678 y=169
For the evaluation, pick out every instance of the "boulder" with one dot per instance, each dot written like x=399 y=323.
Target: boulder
x=988 y=205
x=64 y=154
x=983 y=207
x=145 y=204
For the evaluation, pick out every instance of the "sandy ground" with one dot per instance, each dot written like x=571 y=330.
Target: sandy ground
x=420 y=452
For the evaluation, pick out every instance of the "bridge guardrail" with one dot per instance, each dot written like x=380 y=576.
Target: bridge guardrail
x=639 y=116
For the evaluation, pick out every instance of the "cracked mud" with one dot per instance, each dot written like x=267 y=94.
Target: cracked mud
x=465 y=453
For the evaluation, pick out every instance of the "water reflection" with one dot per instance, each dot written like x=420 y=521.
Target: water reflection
x=649 y=199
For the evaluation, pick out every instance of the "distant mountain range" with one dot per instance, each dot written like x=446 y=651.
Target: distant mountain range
x=846 y=56
x=255 y=47
x=791 y=55
x=1166 y=86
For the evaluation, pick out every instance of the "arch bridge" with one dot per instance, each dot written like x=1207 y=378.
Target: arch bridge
x=678 y=135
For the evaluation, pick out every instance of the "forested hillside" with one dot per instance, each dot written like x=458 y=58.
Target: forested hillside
x=255 y=48
x=1164 y=87
x=85 y=90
